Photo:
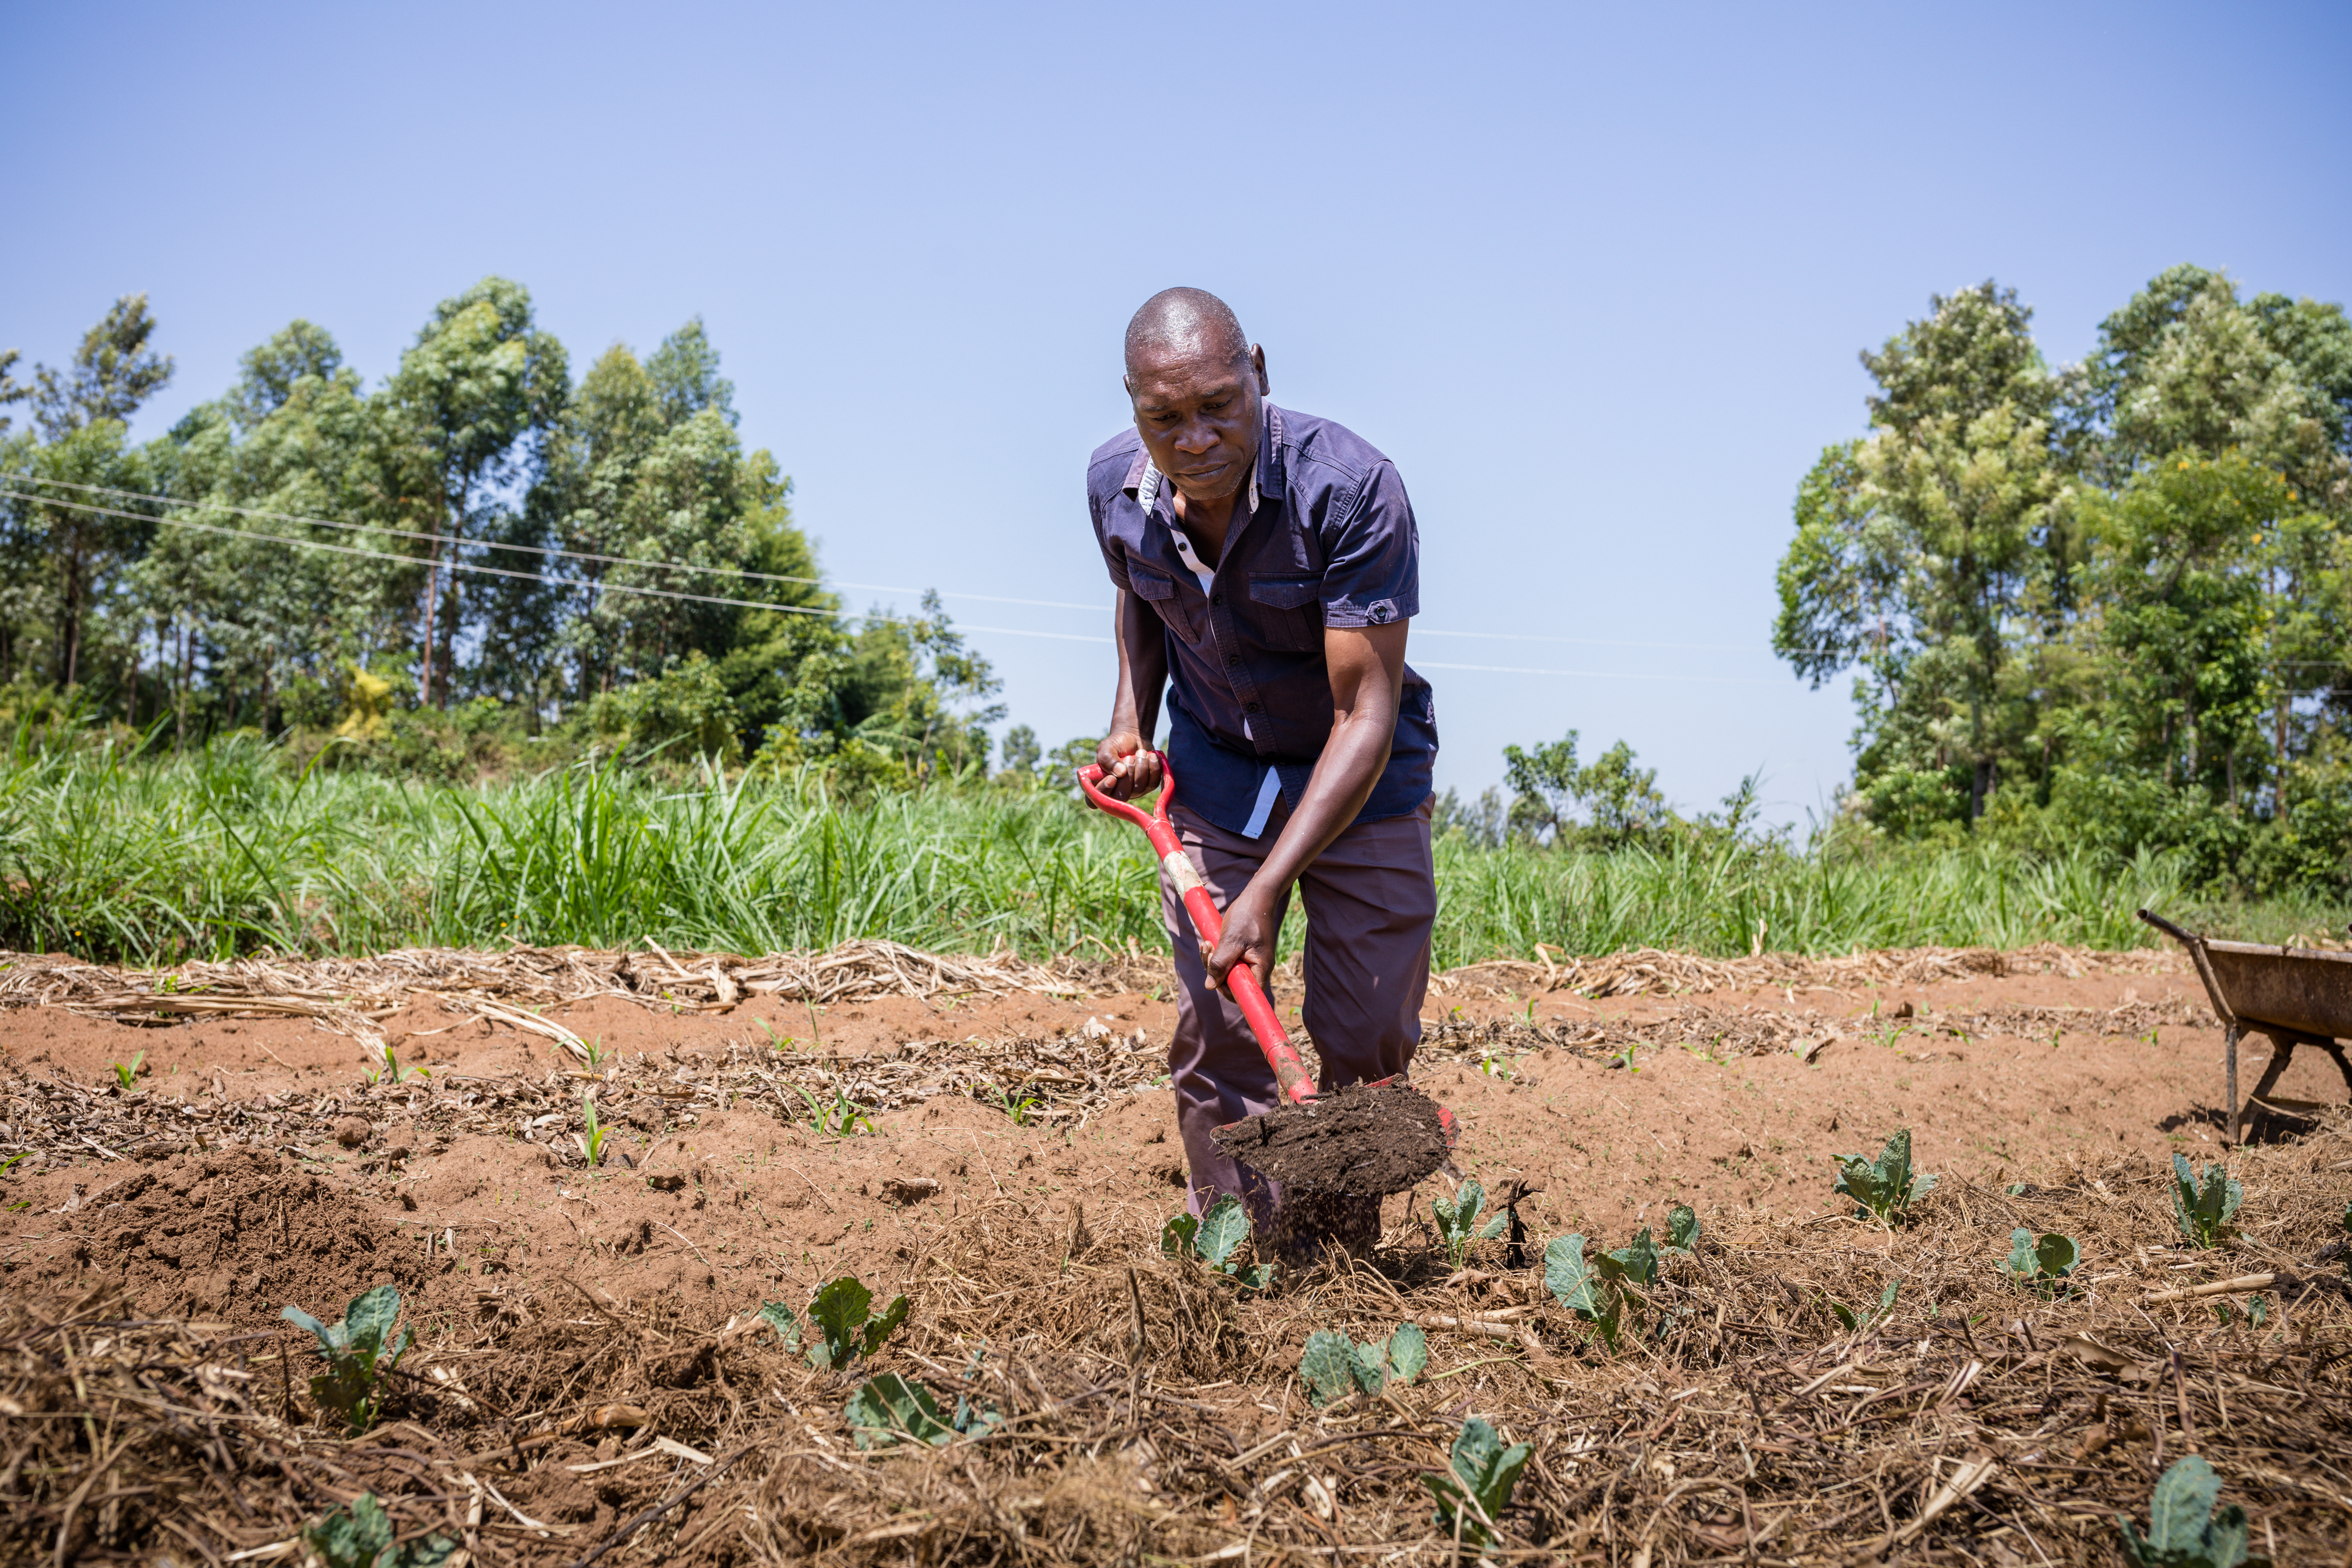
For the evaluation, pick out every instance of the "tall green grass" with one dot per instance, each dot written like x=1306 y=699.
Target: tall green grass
x=227 y=851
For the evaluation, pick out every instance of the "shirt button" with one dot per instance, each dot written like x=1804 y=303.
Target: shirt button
x=1252 y=707
x=1233 y=661
x=1217 y=599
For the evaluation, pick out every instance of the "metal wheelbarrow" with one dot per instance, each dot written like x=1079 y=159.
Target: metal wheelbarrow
x=2296 y=996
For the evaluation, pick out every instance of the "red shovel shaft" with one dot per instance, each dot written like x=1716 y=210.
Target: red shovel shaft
x=1289 y=1070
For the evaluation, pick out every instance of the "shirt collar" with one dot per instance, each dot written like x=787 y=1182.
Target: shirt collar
x=1144 y=480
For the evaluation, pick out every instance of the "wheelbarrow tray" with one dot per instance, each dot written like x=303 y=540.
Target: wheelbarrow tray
x=2296 y=996
x=2294 y=988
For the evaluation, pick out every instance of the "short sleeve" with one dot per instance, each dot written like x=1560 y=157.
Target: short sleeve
x=1098 y=504
x=1372 y=573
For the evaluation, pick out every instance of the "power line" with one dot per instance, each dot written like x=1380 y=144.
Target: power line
x=251 y=536
x=547 y=552
x=552 y=553
x=1601 y=674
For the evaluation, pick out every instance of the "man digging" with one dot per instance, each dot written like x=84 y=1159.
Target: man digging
x=1266 y=566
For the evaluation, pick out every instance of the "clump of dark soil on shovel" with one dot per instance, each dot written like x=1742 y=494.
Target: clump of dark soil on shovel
x=1359 y=1141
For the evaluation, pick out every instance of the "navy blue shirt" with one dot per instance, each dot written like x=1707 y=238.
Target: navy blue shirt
x=1325 y=537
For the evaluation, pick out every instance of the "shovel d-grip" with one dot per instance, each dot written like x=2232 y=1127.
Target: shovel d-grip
x=1289 y=1069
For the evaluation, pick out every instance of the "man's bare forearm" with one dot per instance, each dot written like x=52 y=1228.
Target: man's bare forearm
x=1142 y=669
x=1134 y=701
x=1367 y=687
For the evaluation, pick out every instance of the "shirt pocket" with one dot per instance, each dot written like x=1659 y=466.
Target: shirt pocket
x=1288 y=610
x=1159 y=591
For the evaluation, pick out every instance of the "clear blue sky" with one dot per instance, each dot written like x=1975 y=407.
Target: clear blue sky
x=1595 y=278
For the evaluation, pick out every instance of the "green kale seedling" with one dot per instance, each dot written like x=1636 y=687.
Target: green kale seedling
x=2044 y=1263
x=1600 y=1291
x=1457 y=1222
x=360 y=1535
x=888 y=1410
x=2203 y=1208
x=1214 y=1238
x=361 y=1352
x=842 y=1313
x=1479 y=1486
x=1853 y=1322
x=1887 y=1186
x=2183 y=1531
x=1682 y=1229
x=1335 y=1366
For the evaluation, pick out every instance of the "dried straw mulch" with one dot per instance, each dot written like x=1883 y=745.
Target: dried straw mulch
x=1149 y=1412
x=351 y=995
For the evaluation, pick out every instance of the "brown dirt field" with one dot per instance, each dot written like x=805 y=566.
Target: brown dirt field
x=254 y=1165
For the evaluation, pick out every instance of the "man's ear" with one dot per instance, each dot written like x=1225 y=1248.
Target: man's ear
x=1257 y=364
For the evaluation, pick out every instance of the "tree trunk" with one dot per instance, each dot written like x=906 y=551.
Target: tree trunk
x=1981 y=780
x=2285 y=700
x=187 y=671
x=71 y=611
x=432 y=599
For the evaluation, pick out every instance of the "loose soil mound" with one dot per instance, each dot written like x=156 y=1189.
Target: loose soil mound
x=1363 y=1142
x=232 y=1236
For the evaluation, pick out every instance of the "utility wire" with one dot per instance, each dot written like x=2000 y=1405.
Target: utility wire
x=250 y=535
x=551 y=553
x=547 y=552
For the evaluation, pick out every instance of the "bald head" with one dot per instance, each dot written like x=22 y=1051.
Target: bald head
x=1186 y=324
x=1198 y=385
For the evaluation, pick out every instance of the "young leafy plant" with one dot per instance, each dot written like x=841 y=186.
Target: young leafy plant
x=126 y=1071
x=2202 y=1207
x=1599 y=1291
x=360 y=1352
x=889 y=1409
x=1334 y=1367
x=1214 y=1238
x=1020 y=1112
x=1682 y=1229
x=1853 y=1322
x=590 y=1141
x=842 y=1313
x=843 y=1118
x=2044 y=1263
x=1478 y=1488
x=2183 y=1531
x=360 y=1535
x=395 y=1073
x=1457 y=1222
x=1887 y=1186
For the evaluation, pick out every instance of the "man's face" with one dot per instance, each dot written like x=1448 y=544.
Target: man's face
x=1198 y=415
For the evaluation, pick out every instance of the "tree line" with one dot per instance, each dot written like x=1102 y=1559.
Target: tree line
x=2104 y=604
x=478 y=544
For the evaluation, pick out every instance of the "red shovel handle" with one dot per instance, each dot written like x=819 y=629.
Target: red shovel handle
x=1289 y=1071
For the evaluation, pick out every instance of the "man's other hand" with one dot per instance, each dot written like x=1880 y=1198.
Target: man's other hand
x=1248 y=938
x=1128 y=770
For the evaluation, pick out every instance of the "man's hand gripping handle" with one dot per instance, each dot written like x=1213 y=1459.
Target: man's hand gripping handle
x=1289 y=1069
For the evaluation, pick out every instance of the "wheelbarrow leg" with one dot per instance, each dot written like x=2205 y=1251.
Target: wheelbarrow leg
x=2231 y=1040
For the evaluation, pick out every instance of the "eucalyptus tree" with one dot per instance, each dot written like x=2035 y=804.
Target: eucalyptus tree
x=472 y=396
x=1924 y=548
